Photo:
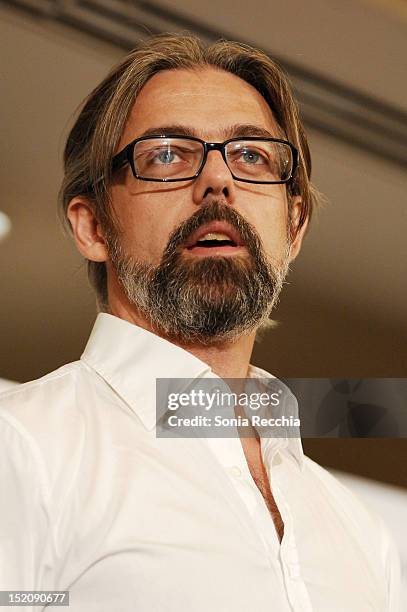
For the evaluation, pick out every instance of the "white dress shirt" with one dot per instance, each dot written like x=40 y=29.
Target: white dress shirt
x=7 y=384
x=93 y=502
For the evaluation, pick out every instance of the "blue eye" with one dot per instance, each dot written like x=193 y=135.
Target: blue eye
x=250 y=157
x=165 y=157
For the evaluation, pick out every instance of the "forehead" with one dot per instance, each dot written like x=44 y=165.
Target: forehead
x=207 y=100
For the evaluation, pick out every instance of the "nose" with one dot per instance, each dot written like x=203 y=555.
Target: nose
x=215 y=179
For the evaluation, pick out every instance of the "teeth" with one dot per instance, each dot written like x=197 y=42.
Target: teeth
x=215 y=236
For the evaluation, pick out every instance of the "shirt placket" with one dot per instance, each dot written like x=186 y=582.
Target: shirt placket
x=284 y=556
x=297 y=593
x=281 y=557
x=230 y=455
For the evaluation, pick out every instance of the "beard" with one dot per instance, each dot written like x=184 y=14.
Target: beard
x=207 y=300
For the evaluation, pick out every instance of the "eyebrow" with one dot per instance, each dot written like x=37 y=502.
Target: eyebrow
x=232 y=131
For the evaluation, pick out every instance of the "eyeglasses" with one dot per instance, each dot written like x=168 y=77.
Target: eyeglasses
x=181 y=158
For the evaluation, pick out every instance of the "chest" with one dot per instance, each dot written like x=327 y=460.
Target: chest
x=262 y=482
x=166 y=503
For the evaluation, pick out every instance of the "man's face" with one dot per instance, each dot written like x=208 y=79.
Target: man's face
x=218 y=292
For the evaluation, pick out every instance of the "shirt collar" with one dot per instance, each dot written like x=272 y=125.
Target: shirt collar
x=130 y=359
x=292 y=445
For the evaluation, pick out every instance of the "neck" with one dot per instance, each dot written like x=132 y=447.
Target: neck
x=227 y=360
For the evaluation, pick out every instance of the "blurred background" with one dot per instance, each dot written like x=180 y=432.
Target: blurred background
x=343 y=312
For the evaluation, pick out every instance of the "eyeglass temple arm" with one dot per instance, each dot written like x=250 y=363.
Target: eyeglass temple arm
x=120 y=160
x=117 y=162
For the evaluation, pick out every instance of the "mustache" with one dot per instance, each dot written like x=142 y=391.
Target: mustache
x=217 y=210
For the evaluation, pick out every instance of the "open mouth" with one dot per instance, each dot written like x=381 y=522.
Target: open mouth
x=213 y=239
x=217 y=237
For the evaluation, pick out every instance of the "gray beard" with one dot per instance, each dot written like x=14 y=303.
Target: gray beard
x=206 y=300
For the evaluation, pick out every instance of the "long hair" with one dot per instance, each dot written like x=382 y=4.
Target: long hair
x=93 y=140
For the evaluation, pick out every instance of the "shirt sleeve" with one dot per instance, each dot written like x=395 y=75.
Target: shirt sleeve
x=24 y=519
x=392 y=568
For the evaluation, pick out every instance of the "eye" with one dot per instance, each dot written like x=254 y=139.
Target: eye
x=164 y=156
x=250 y=156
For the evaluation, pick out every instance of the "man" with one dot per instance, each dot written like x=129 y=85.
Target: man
x=187 y=189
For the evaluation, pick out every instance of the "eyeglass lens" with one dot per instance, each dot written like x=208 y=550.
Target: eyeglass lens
x=177 y=158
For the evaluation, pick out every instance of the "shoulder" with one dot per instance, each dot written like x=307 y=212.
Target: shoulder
x=39 y=404
x=26 y=392
x=42 y=423
x=349 y=504
x=54 y=396
x=366 y=525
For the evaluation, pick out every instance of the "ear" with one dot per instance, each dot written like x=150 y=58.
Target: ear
x=296 y=205
x=86 y=229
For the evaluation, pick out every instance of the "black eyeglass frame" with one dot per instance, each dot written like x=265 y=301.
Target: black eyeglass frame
x=126 y=156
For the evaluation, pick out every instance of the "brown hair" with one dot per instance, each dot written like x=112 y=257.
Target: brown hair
x=93 y=140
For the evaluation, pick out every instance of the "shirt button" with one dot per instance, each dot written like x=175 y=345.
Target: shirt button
x=277 y=459
x=235 y=471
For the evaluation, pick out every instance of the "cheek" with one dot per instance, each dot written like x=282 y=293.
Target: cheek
x=271 y=222
x=147 y=222
x=275 y=242
x=137 y=223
